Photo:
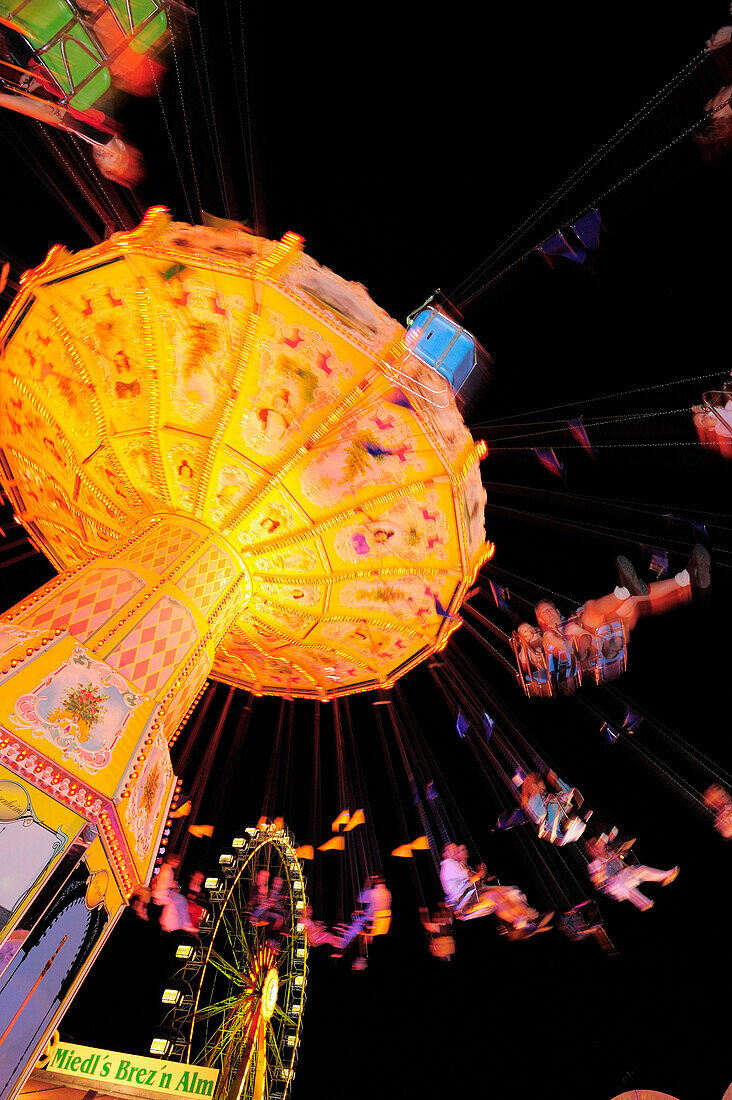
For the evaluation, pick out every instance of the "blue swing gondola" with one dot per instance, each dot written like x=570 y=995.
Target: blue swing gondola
x=443 y=345
x=439 y=341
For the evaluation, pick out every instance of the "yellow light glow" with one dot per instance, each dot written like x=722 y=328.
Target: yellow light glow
x=271 y=403
x=270 y=989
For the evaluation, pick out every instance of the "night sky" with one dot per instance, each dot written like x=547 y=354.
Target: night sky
x=406 y=149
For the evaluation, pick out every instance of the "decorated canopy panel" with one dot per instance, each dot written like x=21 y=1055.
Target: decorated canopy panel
x=233 y=380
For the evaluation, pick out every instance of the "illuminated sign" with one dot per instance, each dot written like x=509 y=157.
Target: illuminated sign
x=108 y=1071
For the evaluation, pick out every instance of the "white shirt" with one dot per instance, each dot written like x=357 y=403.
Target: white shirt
x=455 y=880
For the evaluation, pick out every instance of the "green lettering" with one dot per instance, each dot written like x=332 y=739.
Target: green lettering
x=57 y=1062
x=140 y=1080
x=106 y=1069
x=164 y=1080
x=183 y=1083
x=75 y=1063
x=87 y=1065
x=121 y=1074
x=204 y=1088
x=151 y=1077
x=96 y=1063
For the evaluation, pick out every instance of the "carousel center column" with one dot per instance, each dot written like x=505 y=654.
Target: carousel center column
x=98 y=670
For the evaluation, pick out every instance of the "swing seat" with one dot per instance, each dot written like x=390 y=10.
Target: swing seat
x=444 y=345
x=380 y=924
x=581 y=921
x=561 y=674
x=573 y=831
x=479 y=910
x=77 y=51
x=610 y=652
x=535 y=681
x=482 y=907
x=565 y=676
x=533 y=928
x=564 y=829
x=510 y=819
x=442 y=947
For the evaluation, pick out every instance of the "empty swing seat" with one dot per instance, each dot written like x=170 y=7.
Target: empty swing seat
x=582 y=921
x=443 y=344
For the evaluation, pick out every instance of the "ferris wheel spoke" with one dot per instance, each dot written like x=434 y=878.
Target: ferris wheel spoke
x=247 y=940
x=281 y=1015
x=286 y=969
x=275 y=1053
x=224 y=1014
x=236 y=929
x=232 y=938
x=231 y=972
x=229 y=1006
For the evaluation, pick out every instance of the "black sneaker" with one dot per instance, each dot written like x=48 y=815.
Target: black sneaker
x=629 y=578
x=698 y=567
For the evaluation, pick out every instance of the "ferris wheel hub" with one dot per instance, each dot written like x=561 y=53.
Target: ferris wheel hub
x=270 y=989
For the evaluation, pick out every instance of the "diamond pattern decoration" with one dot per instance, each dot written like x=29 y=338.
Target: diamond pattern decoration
x=162 y=546
x=87 y=602
x=156 y=645
x=204 y=583
x=185 y=696
x=219 y=628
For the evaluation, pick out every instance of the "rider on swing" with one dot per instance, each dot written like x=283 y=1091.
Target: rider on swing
x=469 y=897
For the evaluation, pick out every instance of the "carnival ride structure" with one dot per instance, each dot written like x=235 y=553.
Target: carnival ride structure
x=302 y=496
x=127 y=347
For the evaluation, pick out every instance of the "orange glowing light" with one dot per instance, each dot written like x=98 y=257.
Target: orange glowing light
x=231 y=381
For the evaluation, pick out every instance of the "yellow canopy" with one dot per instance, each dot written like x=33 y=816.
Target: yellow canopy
x=232 y=380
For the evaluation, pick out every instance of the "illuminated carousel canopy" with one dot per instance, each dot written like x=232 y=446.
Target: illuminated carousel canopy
x=233 y=381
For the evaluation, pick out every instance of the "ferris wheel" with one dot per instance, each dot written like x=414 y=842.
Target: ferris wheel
x=250 y=993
